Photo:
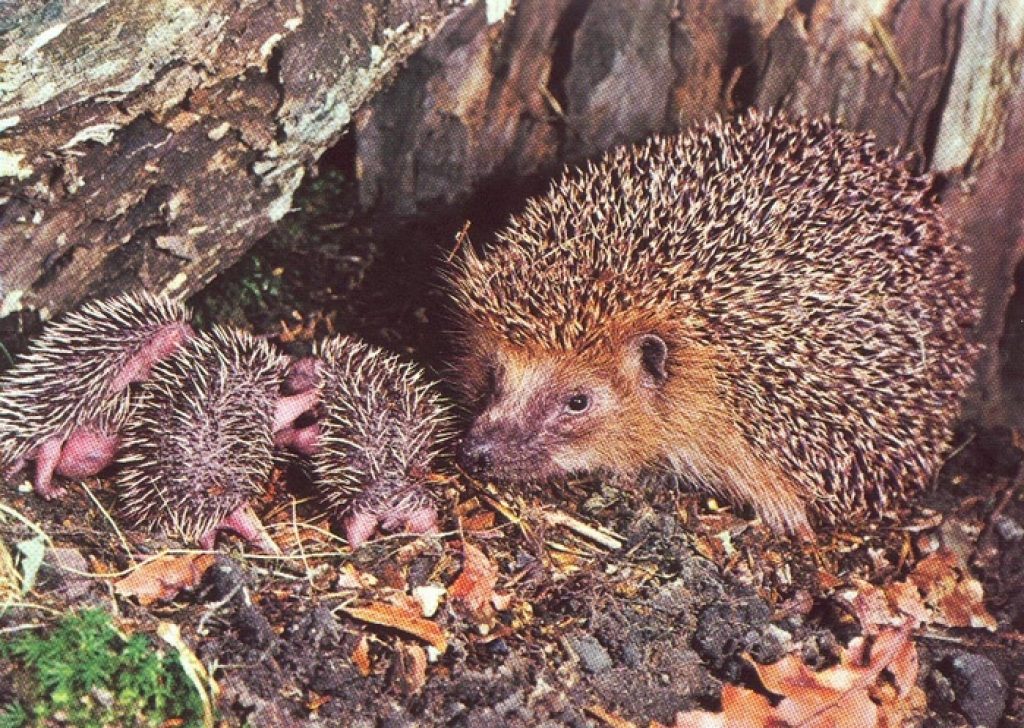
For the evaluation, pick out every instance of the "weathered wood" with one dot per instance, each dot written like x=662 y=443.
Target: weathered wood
x=153 y=142
x=562 y=81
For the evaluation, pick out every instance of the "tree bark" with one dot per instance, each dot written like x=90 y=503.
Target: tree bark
x=150 y=143
x=565 y=80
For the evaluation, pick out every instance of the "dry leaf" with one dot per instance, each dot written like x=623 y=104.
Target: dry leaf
x=871 y=607
x=475 y=585
x=349 y=577
x=610 y=719
x=956 y=598
x=162 y=578
x=906 y=599
x=843 y=696
x=403 y=619
x=361 y=657
x=317 y=701
x=741 y=708
x=428 y=597
x=483 y=521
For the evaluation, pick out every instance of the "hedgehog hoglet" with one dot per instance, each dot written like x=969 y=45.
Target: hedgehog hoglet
x=379 y=429
x=64 y=401
x=773 y=310
x=199 y=445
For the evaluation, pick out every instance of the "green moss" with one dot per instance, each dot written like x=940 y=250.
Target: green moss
x=85 y=673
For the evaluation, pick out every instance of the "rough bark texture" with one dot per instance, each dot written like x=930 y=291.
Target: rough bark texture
x=562 y=80
x=152 y=142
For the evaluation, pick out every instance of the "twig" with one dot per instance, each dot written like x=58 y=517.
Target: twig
x=609 y=541
x=107 y=516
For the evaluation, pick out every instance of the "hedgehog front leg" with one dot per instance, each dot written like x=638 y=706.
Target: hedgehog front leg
x=83 y=454
x=246 y=524
x=288 y=409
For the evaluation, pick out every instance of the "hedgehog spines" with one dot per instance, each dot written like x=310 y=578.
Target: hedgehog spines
x=73 y=373
x=813 y=268
x=200 y=446
x=382 y=422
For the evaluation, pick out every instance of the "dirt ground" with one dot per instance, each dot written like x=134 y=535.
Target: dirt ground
x=582 y=605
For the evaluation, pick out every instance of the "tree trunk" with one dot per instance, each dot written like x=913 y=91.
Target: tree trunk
x=150 y=143
x=566 y=79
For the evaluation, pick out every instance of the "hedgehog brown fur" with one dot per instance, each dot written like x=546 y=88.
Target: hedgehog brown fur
x=774 y=310
x=199 y=446
x=61 y=403
x=380 y=427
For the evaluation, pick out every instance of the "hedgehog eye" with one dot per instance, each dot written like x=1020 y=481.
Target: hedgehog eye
x=577 y=404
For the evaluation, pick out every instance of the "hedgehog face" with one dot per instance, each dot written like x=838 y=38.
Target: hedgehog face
x=573 y=412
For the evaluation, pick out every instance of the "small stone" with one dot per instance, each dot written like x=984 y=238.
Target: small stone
x=429 y=598
x=224 y=580
x=70 y=568
x=254 y=629
x=592 y=654
x=980 y=689
x=1008 y=529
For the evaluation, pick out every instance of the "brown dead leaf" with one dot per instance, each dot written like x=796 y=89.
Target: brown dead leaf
x=316 y=701
x=361 y=657
x=609 y=718
x=741 y=708
x=892 y=606
x=838 y=696
x=162 y=578
x=403 y=619
x=474 y=587
x=828 y=581
x=906 y=599
x=349 y=577
x=482 y=521
x=844 y=696
x=956 y=598
x=871 y=607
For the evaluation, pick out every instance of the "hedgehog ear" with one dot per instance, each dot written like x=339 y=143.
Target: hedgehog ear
x=653 y=358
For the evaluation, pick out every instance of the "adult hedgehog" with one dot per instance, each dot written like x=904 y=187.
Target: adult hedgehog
x=773 y=310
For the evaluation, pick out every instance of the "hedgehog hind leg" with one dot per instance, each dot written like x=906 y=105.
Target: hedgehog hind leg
x=163 y=343
x=46 y=458
x=360 y=527
x=244 y=522
x=86 y=452
x=411 y=512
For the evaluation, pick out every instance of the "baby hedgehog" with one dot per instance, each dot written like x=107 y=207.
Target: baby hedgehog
x=773 y=311
x=199 y=445
x=64 y=401
x=379 y=429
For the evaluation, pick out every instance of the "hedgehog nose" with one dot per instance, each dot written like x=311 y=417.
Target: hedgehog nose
x=475 y=456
